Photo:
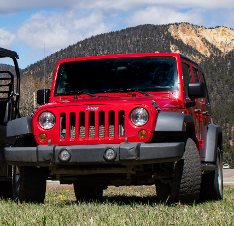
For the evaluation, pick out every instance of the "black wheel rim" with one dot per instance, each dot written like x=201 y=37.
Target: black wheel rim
x=220 y=172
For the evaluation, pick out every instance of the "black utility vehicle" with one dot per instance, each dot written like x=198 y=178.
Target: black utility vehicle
x=9 y=110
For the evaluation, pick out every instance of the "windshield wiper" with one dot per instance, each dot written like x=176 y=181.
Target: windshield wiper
x=139 y=91
x=122 y=90
x=78 y=93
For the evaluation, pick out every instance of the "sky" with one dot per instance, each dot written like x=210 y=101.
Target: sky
x=37 y=28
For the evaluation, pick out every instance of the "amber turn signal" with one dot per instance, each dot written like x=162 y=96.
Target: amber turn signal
x=42 y=137
x=142 y=134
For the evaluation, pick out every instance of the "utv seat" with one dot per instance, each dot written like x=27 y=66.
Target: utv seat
x=5 y=109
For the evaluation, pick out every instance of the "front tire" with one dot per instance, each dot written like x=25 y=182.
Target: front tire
x=29 y=184
x=186 y=182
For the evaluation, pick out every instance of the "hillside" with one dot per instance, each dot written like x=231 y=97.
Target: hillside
x=6 y=67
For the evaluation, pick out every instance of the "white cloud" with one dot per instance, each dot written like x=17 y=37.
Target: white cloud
x=162 y=15
x=6 y=38
x=14 y=6
x=58 y=30
x=126 y=5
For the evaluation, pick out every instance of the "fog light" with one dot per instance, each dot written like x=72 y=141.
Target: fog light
x=142 y=134
x=109 y=154
x=42 y=137
x=64 y=155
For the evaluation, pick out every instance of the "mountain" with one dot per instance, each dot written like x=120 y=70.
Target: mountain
x=144 y=38
x=204 y=40
x=212 y=48
x=194 y=41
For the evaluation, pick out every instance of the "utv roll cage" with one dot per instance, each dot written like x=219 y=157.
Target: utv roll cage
x=9 y=110
x=9 y=104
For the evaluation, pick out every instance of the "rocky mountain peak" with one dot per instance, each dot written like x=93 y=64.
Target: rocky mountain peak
x=200 y=38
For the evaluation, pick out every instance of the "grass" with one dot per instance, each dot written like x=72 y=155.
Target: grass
x=132 y=206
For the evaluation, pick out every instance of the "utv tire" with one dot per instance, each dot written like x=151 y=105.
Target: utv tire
x=212 y=183
x=29 y=184
x=5 y=189
x=185 y=186
x=84 y=191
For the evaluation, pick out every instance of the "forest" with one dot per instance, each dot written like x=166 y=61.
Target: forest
x=218 y=68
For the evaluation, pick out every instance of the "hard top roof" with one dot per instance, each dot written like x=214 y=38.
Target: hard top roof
x=8 y=53
x=129 y=55
x=125 y=55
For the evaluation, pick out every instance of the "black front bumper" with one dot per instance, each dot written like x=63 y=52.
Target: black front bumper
x=126 y=153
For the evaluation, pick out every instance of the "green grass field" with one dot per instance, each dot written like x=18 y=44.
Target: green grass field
x=131 y=206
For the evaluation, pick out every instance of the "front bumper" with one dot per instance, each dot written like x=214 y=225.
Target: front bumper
x=126 y=153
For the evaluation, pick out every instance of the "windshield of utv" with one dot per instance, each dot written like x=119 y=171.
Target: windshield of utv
x=115 y=74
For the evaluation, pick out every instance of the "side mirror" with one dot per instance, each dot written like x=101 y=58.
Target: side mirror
x=197 y=90
x=43 y=96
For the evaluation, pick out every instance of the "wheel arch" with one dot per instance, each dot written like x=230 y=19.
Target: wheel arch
x=212 y=139
x=20 y=127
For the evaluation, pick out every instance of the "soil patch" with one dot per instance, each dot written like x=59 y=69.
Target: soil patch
x=56 y=185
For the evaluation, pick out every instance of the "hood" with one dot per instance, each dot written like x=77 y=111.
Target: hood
x=164 y=100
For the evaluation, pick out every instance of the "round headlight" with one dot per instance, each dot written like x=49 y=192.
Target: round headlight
x=46 y=120
x=139 y=116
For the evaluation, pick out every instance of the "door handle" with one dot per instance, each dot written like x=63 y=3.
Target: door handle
x=206 y=113
x=198 y=111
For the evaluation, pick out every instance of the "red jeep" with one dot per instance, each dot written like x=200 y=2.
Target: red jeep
x=136 y=119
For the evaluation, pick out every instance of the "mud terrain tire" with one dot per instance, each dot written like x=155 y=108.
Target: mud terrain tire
x=29 y=184
x=185 y=187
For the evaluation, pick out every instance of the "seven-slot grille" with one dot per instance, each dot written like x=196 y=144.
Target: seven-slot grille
x=92 y=124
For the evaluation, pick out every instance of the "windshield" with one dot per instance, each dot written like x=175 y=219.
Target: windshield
x=103 y=75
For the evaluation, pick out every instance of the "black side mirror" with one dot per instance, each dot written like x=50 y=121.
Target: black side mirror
x=43 y=96
x=197 y=90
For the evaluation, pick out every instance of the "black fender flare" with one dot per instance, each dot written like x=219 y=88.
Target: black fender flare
x=212 y=138
x=174 y=125
x=19 y=127
x=174 y=122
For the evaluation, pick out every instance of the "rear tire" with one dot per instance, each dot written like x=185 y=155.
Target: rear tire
x=29 y=184
x=186 y=182
x=212 y=183
x=84 y=191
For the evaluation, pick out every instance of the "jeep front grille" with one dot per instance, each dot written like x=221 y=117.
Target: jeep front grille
x=92 y=124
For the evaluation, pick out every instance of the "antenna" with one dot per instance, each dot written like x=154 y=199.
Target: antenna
x=44 y=73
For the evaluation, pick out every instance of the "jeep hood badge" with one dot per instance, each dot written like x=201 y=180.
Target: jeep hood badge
x=91 y=108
